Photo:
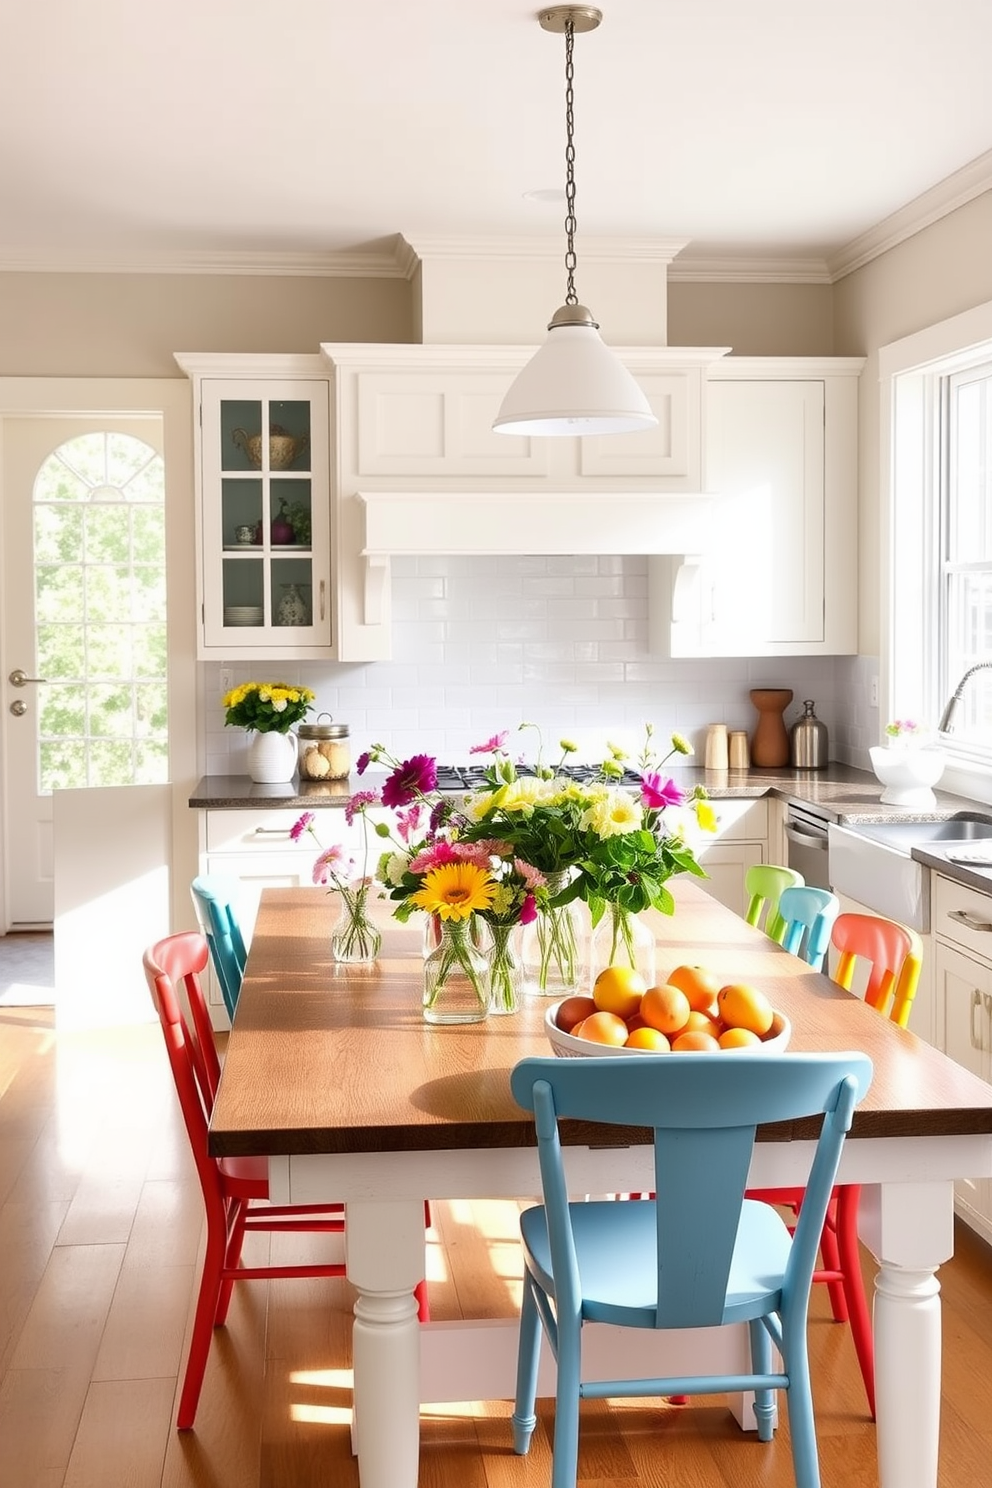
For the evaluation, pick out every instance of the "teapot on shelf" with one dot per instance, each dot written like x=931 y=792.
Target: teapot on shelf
x=284 y=448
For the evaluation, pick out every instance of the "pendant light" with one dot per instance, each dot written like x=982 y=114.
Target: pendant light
x=573 y=384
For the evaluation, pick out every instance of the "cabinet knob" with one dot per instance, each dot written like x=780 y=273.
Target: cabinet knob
x=970 y=918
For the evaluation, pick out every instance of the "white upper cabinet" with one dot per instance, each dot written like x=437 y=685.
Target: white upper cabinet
x=778 y=573
x=265 y=581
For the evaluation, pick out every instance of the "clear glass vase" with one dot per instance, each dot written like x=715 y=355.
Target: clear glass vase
x=456 y=977
x=552 y=947
x=504 y=970
x=622 y=939
x=355 y=938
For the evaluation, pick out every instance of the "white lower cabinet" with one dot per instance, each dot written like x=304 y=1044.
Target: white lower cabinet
x=741 y=840
x=962 y=923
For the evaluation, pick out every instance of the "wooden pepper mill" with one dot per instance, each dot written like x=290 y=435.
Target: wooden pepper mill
x=770 y=744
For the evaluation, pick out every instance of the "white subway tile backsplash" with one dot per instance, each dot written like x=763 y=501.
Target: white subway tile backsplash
x=482 y=643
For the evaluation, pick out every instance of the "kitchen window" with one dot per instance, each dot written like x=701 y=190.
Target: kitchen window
x=937 y=529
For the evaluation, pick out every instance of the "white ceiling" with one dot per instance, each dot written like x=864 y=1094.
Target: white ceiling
x=166 y=131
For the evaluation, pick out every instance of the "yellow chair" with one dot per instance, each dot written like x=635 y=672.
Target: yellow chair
x=765 y=883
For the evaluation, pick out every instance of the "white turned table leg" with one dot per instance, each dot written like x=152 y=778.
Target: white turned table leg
x=384 y=1252
x=910 y=1230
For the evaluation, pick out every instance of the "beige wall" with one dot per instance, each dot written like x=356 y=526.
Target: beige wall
x=129 y=325
x=755 y=319
x=933 y=275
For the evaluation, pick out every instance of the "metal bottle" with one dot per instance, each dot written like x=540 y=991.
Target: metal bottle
x=808 y=746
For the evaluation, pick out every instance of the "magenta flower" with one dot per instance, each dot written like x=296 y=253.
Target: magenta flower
x=657 y=794
x=433 y=856
x=491 y=745
x=528 y=910
x=301 y=825
x=358 y=803
x=362 y=762
x=414 y=777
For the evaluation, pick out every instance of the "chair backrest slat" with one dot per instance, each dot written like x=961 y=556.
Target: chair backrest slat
x=703 y=1110
x=764 y=883
x=894 y=954
x=214 y=897
x=808 y=915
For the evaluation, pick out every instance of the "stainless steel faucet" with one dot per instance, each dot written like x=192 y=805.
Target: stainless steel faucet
x=945 y=724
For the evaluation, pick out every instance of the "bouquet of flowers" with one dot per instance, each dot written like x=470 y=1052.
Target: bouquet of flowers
x=339 y=871
x=267 y=707
x=905 y=733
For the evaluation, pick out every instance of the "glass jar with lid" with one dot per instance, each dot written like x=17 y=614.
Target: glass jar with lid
x=325 y=749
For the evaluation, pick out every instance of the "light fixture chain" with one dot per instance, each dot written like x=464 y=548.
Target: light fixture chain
x=571 y=298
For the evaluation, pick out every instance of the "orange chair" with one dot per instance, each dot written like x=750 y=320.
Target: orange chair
x=893 y=957
x=235 y=1190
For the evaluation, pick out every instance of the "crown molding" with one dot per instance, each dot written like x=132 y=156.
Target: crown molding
x=739 y=270
x=389 y=261
x=591 y=250
x=956 y=190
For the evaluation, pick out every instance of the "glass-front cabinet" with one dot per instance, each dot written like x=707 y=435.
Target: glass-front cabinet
x=265 y=562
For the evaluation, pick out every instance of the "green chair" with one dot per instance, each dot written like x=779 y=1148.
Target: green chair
x=764 y=884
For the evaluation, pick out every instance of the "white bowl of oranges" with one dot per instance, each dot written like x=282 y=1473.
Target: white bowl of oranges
x=692 y=1011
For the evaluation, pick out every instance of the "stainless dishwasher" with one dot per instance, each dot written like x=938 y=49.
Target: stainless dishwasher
x=808 y=842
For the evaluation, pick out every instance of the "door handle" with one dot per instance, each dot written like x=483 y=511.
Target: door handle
x=18 y=678
x=969 y=918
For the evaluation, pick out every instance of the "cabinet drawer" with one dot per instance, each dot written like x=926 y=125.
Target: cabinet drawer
x=742 y=820
x=963 y=916
x=267 y=831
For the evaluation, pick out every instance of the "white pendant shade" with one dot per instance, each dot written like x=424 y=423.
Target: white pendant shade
x=574 y=384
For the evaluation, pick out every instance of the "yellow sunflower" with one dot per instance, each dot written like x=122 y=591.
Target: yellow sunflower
x=455 y=890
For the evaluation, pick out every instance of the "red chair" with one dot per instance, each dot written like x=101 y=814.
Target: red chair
x=235 y=1190
x=892 y=956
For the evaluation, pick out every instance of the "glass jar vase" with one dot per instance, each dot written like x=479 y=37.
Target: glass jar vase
x=355 y=938
x=552 y=947
x=504 y=969
x=456 y=977
x=622 y=939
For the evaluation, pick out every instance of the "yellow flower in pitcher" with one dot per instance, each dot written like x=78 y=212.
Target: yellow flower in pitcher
x=455 y=890
x=613 y=813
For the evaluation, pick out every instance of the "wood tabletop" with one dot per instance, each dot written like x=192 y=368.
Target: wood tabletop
x=329 y=1058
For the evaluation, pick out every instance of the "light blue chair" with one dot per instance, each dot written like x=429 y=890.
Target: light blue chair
x=808 y=916
x=214 y=898
x=699 y=1257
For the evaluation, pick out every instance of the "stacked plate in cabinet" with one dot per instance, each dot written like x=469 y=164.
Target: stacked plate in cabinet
x=243 y=615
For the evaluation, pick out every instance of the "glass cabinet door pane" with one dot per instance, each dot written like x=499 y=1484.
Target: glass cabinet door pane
x=241 y=512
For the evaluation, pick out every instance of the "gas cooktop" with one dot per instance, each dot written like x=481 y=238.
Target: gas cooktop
x=455 y=778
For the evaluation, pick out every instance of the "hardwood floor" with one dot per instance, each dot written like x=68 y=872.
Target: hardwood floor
x=100 y=1226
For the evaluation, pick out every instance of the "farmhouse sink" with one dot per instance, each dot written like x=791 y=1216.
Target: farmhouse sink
x=903 y=836
x=873 y=865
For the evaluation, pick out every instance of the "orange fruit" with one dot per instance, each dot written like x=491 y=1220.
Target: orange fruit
x=738 y=1038
x=744 y=1006
x=665 y=1008
x=648 y=1038
x=698 y=1022
x=576 y=1029
x=695 y=1039
x=618 y=990
x=698 y=984
x=603 y=1028
x=572 y=1011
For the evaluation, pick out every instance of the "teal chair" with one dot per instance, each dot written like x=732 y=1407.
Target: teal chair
x=807 y=916
x=214 y=898
x=764 y=884
x=701 y=1256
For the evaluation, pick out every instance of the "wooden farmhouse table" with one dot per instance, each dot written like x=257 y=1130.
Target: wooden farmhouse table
x=333 y=1075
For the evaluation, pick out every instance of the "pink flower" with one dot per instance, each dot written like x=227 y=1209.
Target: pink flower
x=301 y=825
x=414 y=777
x=407 y=822
x=528 y=910
x=333 y=867
x=533 y=877
x=358 y=803
x=491 y=745
x=480 y=852
x=656 y=795
x=433 y=857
